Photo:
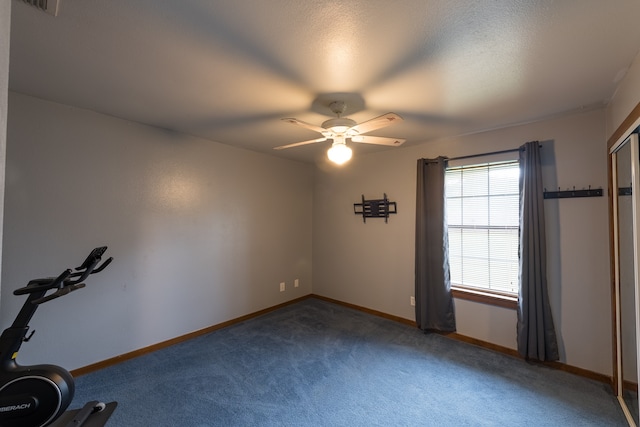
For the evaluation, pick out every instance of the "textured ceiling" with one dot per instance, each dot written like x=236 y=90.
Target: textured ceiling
x=229 y=70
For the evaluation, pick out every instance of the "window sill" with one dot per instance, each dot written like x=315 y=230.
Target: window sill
x=499 y=300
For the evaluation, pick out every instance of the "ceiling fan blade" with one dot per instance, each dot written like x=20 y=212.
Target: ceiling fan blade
x=378 y=140
x=304 y=124
x=297 y=144
x=377 y=123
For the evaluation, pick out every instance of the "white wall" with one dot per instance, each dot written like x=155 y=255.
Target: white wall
x=201 y=232
x=372 y=264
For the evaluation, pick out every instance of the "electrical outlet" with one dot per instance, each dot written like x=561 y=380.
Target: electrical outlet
x=282 y=286
x=412 y=301
x=296 y=283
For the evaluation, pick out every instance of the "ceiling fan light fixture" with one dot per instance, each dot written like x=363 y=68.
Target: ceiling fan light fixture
x=339 y=153
x=339 y=129
x=338 y=125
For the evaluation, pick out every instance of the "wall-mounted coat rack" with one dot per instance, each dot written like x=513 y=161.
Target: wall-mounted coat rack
x=590 y=192
x=376 y=208
x=625 y=191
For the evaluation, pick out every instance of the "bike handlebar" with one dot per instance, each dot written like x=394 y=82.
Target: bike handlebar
x=102 y=266
x=59 y=293
x=94 y=256
x=68 y=281
x=45 y=283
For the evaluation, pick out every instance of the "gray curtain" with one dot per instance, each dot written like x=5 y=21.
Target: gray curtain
x=434 y=303
x=536 y=335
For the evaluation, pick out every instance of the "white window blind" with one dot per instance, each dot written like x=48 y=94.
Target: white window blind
x=482 y=217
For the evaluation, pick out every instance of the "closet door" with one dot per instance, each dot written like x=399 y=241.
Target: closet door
x=626 y=178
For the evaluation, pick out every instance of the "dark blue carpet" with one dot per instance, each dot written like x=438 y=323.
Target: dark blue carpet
x=315 y=363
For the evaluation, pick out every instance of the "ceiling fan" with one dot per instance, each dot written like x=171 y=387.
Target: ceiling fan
x=341 y=128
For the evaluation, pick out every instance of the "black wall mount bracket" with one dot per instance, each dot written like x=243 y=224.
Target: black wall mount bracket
x=375 y=208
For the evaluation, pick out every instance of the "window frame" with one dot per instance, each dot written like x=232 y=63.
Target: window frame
x=486 y=296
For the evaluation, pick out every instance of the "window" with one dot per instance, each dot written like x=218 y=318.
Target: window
x=482 y=215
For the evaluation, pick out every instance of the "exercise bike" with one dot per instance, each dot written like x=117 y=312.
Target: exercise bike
x=38 y=395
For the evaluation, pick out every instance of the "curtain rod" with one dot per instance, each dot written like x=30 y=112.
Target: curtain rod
x=492 y=153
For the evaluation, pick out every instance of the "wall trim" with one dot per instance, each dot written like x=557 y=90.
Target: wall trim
x=625 y=127
x=367 y=310
x=469 y=340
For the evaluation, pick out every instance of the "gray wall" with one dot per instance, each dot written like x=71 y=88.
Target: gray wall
x=5 y=35
x=372 y=264
x=201 y=232
x=626 y=98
